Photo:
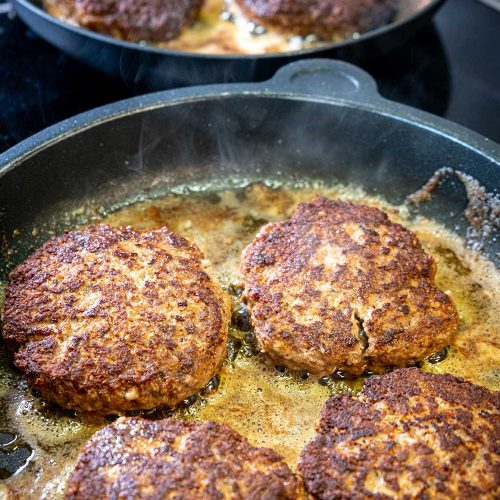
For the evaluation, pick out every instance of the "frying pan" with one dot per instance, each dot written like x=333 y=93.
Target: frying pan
x=146 y=67
x=315 y=120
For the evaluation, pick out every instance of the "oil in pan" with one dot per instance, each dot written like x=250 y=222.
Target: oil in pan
x=268 y=404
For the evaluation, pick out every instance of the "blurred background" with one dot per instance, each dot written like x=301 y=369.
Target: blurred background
x=450 y=68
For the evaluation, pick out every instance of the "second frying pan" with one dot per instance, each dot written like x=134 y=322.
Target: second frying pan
x=151 y=68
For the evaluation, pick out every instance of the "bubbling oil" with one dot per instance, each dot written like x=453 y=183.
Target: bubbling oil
x=269 y=405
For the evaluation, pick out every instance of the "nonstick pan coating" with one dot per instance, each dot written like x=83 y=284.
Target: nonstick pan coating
x=146 y=67
x=315 y=119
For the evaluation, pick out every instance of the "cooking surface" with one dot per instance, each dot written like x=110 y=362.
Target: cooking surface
x=451 y=69
x=270 y=407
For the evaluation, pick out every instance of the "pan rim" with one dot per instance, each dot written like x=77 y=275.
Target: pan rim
x=77 y=124
x=38 y=11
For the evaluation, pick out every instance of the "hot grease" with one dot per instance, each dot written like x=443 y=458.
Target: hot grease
x=270 y=407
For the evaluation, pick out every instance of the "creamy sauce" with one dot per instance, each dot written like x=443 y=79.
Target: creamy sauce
x=269 y=407
x=221 y=28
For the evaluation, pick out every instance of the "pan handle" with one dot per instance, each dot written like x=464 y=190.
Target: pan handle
x=325 y=78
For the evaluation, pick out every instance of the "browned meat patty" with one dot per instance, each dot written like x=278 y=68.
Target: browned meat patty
x=321 y=17
x=137 y=458
x=409 y=434
x=114 y=319
x=135 y=20
x=341 y=287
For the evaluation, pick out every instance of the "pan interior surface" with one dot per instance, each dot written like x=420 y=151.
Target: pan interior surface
x=195 y=166
x=270 y=406
x=222 y=28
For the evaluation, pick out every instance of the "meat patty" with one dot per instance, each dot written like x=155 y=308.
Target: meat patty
x=135 y=20
x=137 y=458
x=321 y=17
x=409 y=434
x=114 y=319
x=341 y=287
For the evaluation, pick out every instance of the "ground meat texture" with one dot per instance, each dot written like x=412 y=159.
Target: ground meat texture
x=321 y=17
x=113 y=319
x=137 y=458
x=135 y=20
x=409 y=434
x=341 y=287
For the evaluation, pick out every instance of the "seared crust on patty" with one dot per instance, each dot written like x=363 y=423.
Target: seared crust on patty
x=113 y=319
x=137 y=458
x=341 y=287
x=321 y=17
x=135 y=20
x=409 y=434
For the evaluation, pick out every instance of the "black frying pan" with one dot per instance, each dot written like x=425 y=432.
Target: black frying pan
x=155 y=69
x=315 y=119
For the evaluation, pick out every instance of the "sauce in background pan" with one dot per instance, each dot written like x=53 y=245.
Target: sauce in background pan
x=270 y=406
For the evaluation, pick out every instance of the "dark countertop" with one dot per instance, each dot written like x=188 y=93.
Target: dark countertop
x=450 y=68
